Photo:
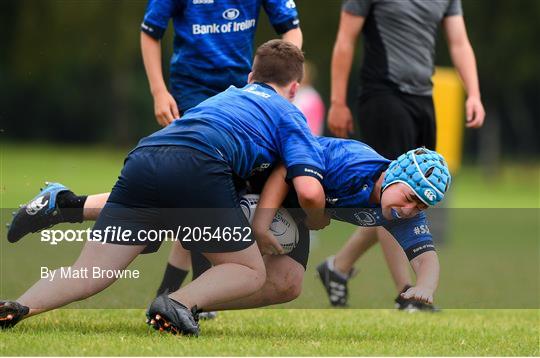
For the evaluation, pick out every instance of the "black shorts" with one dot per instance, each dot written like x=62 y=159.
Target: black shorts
x=300 y=253
x=176 y=193
x=393 y=123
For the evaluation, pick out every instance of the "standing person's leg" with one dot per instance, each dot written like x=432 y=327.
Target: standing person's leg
x=336 y=271
x=358 y=244
x=177 y=269
x=424 y=114
x=438 y=217
x=397 y=261
x=397 y=135
x=200 y=264
x=386 y=125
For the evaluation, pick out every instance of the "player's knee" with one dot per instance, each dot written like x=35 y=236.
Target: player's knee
x=290 y=287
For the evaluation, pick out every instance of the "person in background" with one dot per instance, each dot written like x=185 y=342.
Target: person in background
x=395 y=105
x=310 y=102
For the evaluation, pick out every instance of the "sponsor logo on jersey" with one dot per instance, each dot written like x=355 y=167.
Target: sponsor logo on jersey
x=146 y=27
x=35 y=206
x=423 y=247
x=261 y=168
x=203 y=2
x=314 y=172
x=228 y=27
x=231 y=14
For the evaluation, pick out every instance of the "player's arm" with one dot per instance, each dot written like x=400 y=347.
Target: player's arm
x=462 y=55
x=165 y=107
x=284 y=18
x=295 y=36
x=304 y=159
x=155 y=23
x=340 y=120
x=272 y=196
x=414 y=237
x=426 y=267
x=311 y=197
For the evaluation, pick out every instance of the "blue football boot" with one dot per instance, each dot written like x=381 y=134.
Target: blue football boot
x=39 y=213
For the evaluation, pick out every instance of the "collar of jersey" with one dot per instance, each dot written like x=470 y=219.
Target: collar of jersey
x=262 y=84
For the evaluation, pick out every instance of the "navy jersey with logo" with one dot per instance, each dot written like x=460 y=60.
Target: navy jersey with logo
x=213 y=41
x=351 y=170
x=251 y=128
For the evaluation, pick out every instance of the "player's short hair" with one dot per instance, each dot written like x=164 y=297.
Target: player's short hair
x=279 y=62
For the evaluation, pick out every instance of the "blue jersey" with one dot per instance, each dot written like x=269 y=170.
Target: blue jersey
x=213 y=41
x=251 y=128
x=352 y=168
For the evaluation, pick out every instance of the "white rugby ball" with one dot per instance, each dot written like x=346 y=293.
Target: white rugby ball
x=283 y=226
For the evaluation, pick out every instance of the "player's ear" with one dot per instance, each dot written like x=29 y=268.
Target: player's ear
x=250 y=77
x=293 y=89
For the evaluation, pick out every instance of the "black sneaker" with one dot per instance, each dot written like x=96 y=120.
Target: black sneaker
x=39 y=213
x=412 y=305
x=334 y=283
x=166 y=314
x=11 y=313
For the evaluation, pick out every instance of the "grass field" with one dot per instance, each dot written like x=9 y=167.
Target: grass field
x=282 y=332
x=489 y=280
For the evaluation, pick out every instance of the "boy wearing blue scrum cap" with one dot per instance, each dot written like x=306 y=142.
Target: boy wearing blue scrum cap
x=365 y=189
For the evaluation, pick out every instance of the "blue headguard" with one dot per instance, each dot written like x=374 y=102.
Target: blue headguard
x=424 y=171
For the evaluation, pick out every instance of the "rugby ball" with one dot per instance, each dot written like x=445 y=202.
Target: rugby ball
x=283 y=226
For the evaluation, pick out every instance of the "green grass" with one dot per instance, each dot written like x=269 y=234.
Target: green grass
x=282 y=333
x=490 y=260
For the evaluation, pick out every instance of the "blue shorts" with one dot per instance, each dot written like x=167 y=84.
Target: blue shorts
x=174 y=193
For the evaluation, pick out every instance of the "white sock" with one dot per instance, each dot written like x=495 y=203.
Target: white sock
x=331 y=266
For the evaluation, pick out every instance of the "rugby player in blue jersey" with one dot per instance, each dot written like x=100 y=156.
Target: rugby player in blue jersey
x=364 y=189
x=213 y=49
x=190 y=164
